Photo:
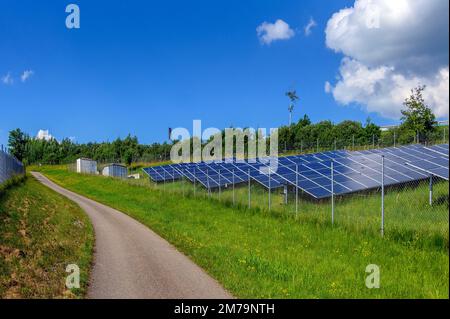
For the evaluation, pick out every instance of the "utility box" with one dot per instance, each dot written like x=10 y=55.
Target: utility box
x=86 y=166
x=115 y=170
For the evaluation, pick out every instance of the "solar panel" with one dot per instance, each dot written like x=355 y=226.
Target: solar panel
x=311 y=173
x=441 y=149
x=437 y=166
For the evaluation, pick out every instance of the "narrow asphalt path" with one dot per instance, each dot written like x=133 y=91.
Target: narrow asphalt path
x=131 y=261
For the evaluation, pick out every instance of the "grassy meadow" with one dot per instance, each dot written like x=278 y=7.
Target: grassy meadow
x=41 y=232
x=255 y=253
x=408 y=215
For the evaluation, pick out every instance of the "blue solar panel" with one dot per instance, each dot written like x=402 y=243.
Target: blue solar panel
x=353 y=171
x=437 y=166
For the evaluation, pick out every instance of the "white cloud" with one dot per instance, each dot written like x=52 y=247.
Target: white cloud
x=269 y=32
x=308 y=28
x=383 y=91
x=26 y=75
x=391 y=47
x=7 y=79
x=44 y=135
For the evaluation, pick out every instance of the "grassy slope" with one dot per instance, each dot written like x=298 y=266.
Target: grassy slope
x=408 y=215
x=256 y=254
x=41 y=233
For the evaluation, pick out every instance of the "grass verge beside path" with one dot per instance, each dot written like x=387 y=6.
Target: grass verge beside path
x=255 y=254
x=41 y=232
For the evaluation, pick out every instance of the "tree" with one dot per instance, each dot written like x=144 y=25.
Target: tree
x=372 y=132
x=292 y=95
x=417 y=116
x=17 y=142
x=128 y=157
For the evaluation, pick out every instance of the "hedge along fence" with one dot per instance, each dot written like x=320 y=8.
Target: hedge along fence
x=9 y=167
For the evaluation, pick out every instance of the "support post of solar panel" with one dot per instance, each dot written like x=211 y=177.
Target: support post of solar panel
x=249 y=195
x=332 y=192
x=431 y=190
x=296 y=189
x=382 y=195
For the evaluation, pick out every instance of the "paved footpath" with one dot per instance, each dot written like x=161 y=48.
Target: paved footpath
x=131 y=261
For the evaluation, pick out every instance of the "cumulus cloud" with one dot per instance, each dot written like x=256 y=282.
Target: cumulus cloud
x=269 y=32
x=389 y=48
x=7 y=79
x=26 y=75
x=308 y=28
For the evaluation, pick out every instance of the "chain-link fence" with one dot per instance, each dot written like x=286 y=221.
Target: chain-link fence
x=388 y=138
x=9 y=166
x=415 y=212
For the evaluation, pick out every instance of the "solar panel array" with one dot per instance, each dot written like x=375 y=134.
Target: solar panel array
x=353 y=171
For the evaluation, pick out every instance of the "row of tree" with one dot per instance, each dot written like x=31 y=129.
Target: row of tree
x=418 y=124
x=40 y=151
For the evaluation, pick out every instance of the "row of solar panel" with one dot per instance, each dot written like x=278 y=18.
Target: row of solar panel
x=352 y=171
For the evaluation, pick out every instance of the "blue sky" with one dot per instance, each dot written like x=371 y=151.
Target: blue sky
x=140 y=67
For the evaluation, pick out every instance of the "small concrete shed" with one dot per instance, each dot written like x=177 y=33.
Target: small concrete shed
x=115 y=170
x=86 y=166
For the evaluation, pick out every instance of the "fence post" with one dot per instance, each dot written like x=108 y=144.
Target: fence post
x=353 y=142
x=373 y=140
x=301 y=145
x=164 y=182
x=332 y=192
x=317 y=145
x=194 y=182
x=431 y=191
x=269 y=190
x=233 y=189
x=335 y=145
x=296 y=190
x=382 y=195
x=220 y=187
x=182 y=181
x=395 y=137
x=249 y=195
x=444 y=135
x=207 y=183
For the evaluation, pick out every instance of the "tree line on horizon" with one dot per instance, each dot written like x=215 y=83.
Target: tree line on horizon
x=418 y=122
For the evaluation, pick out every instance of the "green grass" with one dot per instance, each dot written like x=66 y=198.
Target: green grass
x=408 y=215
x=41 y=232
x=259 y=254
